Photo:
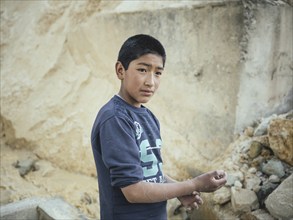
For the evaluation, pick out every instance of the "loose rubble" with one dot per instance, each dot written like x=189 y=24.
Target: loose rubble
x=260 y=172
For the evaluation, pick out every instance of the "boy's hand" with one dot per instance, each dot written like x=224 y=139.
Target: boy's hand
x=191 y=201
x=210 y=181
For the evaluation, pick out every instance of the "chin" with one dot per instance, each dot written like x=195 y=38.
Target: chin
x=144 y=101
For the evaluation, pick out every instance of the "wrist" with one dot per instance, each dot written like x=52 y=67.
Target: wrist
x=192 y=186
x=195 y=184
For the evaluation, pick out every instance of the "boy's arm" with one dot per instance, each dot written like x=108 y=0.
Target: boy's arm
x=189 y=201
x=145 y=192
x=169 y=179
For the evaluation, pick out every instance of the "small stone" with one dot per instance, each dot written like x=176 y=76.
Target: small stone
x=222 y=196
x=252 y=182
x=273 y=167
x=249 y=131
x=255 y=149
x=234 y=176
x=274 y=179
x=238 y=184
x=25 y=166
x=252 y=170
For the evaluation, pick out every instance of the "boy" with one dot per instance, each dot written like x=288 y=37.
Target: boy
x=126 y=143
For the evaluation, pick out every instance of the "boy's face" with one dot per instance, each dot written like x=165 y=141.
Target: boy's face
x=141 y=80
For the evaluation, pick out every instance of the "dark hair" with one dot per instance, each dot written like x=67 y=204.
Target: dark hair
x=139 y=45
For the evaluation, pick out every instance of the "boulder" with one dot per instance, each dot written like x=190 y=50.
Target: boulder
x=280 y=134
x=222 y=196
x=243 y=200
x=273 y=167
x=280 y=202
x=259 y=214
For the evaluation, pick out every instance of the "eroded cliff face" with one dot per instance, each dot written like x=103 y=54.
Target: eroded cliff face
x=57 y=70
x=47 y=90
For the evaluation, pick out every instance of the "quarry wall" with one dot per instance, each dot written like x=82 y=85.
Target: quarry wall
x=229 y=63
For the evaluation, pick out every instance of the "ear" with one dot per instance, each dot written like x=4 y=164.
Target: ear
x=120 y=71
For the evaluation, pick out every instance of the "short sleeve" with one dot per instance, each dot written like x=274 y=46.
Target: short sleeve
x=120 y=152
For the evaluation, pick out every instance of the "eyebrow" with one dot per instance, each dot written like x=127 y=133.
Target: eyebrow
x=149 y=65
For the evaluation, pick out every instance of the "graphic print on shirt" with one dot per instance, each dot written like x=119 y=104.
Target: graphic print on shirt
x=151 y=171
x=138 y=130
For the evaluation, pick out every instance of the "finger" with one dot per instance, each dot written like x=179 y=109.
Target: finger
x=195 y=205
x=219 y=174
x=188 y=209
x=198 y=200
x=192 y=206
x=194 y=193
x=221 y=178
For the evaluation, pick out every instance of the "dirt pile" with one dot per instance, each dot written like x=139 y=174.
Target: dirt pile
x=259 y=172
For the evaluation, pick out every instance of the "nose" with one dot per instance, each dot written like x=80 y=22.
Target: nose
x=150 y=79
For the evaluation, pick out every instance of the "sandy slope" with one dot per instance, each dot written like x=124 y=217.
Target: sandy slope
x=47 y=181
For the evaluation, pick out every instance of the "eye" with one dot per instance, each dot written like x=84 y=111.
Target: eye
x=158 y=73
x=142 y=70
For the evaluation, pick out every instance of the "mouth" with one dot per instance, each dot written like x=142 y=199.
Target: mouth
x=147 y=92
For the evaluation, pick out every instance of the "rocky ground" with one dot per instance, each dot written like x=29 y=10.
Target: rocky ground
x=259 y=166
x=260 y=172
x=24 y=175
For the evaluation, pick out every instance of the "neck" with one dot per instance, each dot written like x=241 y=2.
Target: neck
x=118 y=94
